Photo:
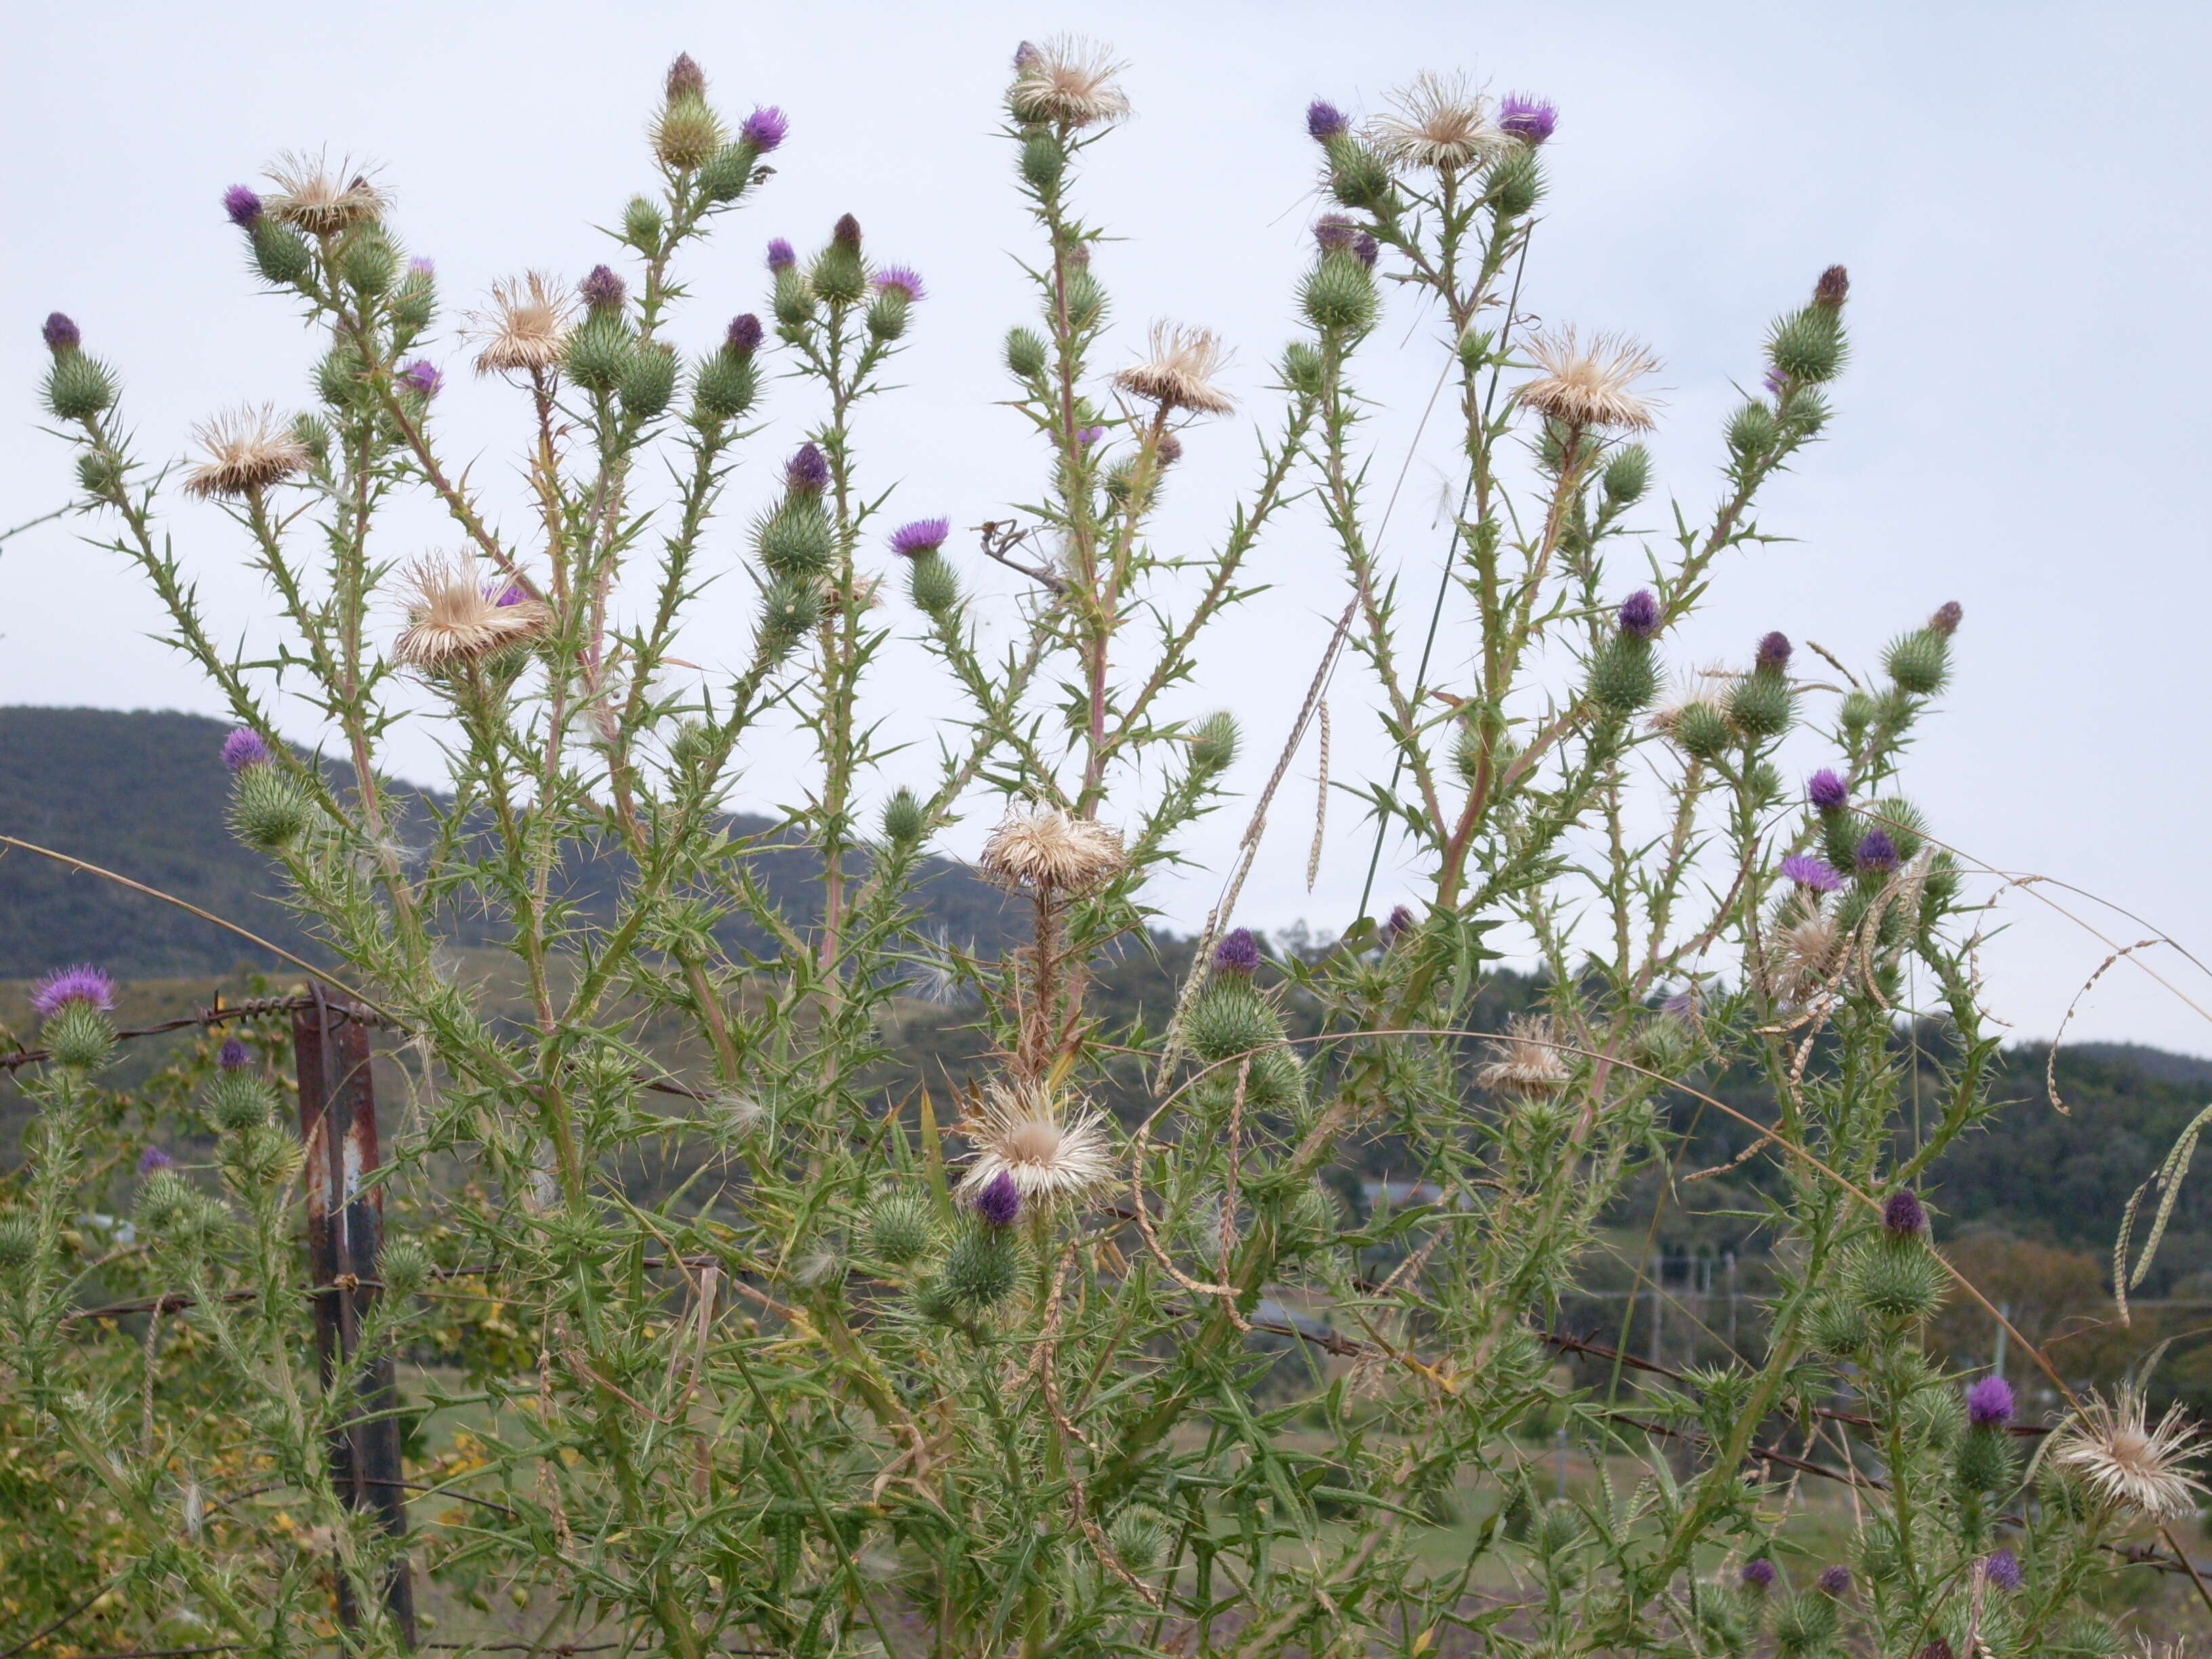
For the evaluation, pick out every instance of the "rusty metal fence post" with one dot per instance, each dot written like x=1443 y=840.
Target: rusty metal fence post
x=345 y=1230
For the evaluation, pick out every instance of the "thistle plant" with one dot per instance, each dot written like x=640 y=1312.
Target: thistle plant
x=905 y=1371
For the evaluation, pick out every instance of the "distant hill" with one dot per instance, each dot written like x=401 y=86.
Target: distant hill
x=144 y=793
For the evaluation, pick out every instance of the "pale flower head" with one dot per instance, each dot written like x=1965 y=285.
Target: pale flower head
x=2109 y=1446
x=1526 y=1060
x=310 y=197
x=1068 y=81
x=1045 y=851
x=247 y=450
x=526 y=327
x=454 y=617
x=1441 y=121
x=1179 y=371
x=1053 y=1149
x=1589 y=384
x=1802 y=955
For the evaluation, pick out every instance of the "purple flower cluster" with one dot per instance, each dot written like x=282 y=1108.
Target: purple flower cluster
x=422 y=376
x=1325 y=121
x=902 y=280
x=234 y=1055
x=779 y=256
x=602 y=290
x=1876 y=852
x=746 y=335
x=1640 y=614
x=60 y=334
x=765 y=128
x=1834 y=1581
x=807 y=472
x=1809 y=872
x=82 y=983
x=1775 y=381
x=1237 y=953
x=1334 y=233
x=422 y=265
x=244 y=748
x=1774 y=653
x=242 y=205
x=923 y=536
x=1532 y=120
x=1089 y=436
x=1000 y=1201
x=1758 y=1573
x=1826 y=790
x=1905 y=1216
x=155 y=1159
x=1989 y=1403
x=1401 y=922
x=2002 y=1568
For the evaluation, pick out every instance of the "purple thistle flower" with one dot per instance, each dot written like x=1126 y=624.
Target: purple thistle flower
x=1949 y=615
x=846 y=232
x=1401 y=922
x=1640 y=614
x=1989 y=1403
x=1758 y=1573
x=1876 y=851
x=746 y=335
x=244 y=748
x=422 y=376
x=422 y=265
x=602 y=290
x=1325 y=121
x=1775 y=381
x=765 y=128
x=2002 y=1568
x=1000 y=1201
x=1089 y=436
x=1904 y=1215
x=243 y=206
x=1168 y=449
x=1366 y=249
x=1828 y=790
x=234 y=1055
x=512 y=593
x=903 y=280
x=1774 y=653
x=155 y=1159
x=1809 y=872
x=60 y=334
x=779 y=256
x=807 y=472
x=1024 y=55
x=1834 y=1581
x=1237 y=953
x=923 y=536
x=1532 y=120
x=1683 y=1005
x=82 y=983
x=1335 y=232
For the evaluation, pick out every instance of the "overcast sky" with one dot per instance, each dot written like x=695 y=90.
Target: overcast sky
x=2018 y=190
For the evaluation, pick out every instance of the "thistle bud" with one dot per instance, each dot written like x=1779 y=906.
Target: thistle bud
x=726 y=174
x=793 y=300
x=1983 y=1459
x=1702 y=730
x=1138 y=1541
x=1167 y=451
x=1517 y=184
x=1833 y=288
x=1357 y=176
x=839 y=275
x=789 y=607
x=368 y=260
x=898 y=1226
x=1948 y=617
x=1804 y=1624
x=602 y=290
x=19 y=1243
x=1043 y=161
x=649 y=381
x=1751 y=431
x=727 y=384
x=404 y=1266
x=166 y=1203
x=1761 y=705
x=1627 y=475
x=100 y=471
x=1837 y=1326
x=686 y=133
x=1807 y=346
x=797 y=540
x=239 y=1100
x=1895 y=1284
x=1301 y=369
x=903 y=818
x=596 y=354
x=280 y=254
x=1025 y=354
x=1919 y=662
x=932 y=584
x=78 y=387
x=642 y=224
x=267 y=808
x=1213 y=744
x=1623 y=677
x=1339 y=297
x=982 y=1266
x=416 y=302
x=886 y=318
x=1230 y=1019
